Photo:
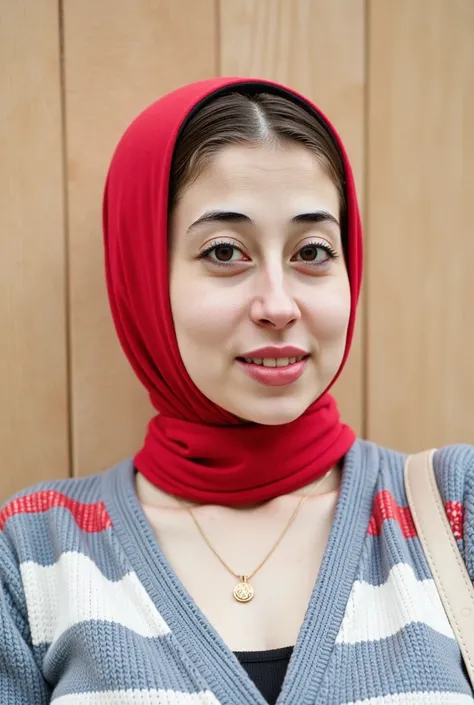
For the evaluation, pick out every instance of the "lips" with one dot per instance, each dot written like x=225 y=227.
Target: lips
x=275 y=352
x=275 y=365
x=274 y=376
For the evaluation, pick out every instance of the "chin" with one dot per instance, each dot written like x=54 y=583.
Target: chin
x=272 y=412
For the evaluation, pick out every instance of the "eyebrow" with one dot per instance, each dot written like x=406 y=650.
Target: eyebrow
x=218 y=216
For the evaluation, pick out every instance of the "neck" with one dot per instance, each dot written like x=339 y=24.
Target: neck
x=152 y=497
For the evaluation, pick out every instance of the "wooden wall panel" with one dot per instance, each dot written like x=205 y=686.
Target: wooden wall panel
x=119 y=57
x=33 y=382
x=318 y=48
x=420 y=288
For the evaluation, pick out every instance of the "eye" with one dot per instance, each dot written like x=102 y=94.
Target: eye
x=316 y=253
x=222 y=253
x=227 y=253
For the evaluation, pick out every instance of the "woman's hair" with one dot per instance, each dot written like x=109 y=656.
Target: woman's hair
x=253 y=119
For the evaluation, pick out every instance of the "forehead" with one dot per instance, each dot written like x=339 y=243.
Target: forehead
x=283 y=176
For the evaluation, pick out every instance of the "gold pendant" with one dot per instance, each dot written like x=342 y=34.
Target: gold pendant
x=243 y=592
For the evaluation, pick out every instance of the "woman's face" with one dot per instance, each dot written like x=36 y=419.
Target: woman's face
x=256 y=261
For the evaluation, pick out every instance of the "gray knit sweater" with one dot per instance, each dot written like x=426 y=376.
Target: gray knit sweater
x=92 y=614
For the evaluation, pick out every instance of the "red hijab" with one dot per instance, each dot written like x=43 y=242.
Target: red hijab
x=194 y=449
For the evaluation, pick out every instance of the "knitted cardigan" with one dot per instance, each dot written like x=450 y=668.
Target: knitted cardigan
x=91 y=612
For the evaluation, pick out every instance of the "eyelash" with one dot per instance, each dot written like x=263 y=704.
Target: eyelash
x=330 y=251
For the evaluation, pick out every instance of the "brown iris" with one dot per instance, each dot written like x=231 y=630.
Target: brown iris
x=309 y=252
x=225 y=252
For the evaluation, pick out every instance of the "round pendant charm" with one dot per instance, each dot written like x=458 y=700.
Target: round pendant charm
x=243 y=592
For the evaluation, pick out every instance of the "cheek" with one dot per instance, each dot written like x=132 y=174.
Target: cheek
x=201 y=317
x=330 y=313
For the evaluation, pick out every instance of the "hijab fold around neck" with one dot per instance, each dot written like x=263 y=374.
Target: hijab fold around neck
x=194 y=449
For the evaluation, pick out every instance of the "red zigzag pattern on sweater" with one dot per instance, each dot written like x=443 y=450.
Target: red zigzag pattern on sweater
x=385 y=507
x=89 y=517
x=94 y=517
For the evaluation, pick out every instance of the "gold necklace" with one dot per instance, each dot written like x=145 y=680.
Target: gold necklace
x=243 y=591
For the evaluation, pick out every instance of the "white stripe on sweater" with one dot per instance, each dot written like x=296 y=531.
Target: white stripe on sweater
x=74 y=590
x=137 y=697
x=377 y=612
x=434 y=698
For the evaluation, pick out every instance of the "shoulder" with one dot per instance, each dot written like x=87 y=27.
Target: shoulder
x=22 y=510
x=55 y=546
x=385 y=466
x=454 y=472
x=45 y=520
x=453 y=467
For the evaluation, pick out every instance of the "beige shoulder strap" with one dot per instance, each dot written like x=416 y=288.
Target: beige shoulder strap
x=447 y=566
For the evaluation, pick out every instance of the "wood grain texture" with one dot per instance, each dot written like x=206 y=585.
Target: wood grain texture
x=420 y=287
x=318 y=48
x=33 y=382
x=119 y=57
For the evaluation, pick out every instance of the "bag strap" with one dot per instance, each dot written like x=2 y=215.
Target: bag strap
x=444 y=559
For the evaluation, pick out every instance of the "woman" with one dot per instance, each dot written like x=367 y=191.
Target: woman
x=253 y=550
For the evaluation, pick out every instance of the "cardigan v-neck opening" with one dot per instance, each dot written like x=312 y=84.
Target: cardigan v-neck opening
x=215 y=666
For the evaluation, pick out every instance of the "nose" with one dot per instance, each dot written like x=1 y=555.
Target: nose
x=273 y=306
